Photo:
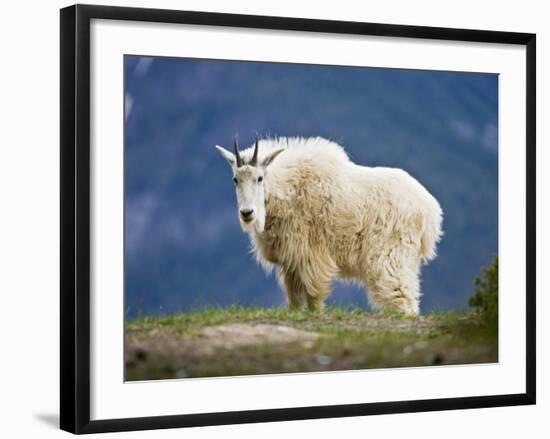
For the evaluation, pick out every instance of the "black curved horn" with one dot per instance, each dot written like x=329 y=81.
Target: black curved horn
x=254 y=161
x=237 y=154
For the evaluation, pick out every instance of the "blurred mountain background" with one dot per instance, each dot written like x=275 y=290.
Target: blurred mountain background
x=184 y=248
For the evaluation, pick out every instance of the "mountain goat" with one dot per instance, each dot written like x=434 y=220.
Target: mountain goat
x=317 y=216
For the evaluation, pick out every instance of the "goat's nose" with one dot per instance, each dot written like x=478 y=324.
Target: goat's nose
x=247 y=213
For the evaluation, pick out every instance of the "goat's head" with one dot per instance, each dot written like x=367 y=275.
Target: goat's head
x=248 y=177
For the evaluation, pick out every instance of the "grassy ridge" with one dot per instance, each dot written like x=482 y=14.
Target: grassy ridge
x=245 y=341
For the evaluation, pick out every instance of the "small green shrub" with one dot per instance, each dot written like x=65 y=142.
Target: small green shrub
x=485 y=297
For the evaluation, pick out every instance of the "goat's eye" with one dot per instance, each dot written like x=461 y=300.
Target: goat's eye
x=235 y=180
x=260 y=179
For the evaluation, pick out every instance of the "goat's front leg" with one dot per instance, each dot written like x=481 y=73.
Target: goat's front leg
x=294 y=289
x=317 y=279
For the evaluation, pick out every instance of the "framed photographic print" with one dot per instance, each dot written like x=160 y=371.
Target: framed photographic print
x=304 y=218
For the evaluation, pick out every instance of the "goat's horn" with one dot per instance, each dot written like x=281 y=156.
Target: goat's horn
x=237 y=154
x=254 y=161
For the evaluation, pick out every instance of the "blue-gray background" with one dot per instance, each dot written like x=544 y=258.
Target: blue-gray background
x=184 y=248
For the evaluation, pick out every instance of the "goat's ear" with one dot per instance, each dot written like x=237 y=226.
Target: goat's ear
x=270 y=157
x=229 y=156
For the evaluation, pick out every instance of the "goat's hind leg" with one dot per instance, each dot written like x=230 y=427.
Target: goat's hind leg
x=395 y=295
x=396 y=286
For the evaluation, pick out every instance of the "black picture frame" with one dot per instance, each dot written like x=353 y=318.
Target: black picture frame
x=75 y=217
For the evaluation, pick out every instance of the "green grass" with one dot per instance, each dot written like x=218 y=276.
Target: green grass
x=344 y=339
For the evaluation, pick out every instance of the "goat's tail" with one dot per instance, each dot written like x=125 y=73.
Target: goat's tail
x=431 y=232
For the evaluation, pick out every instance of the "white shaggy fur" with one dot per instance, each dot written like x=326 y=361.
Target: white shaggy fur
x=318 y=216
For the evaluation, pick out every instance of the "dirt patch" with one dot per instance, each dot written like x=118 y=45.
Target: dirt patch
x=239 y=335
